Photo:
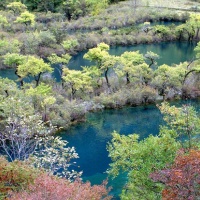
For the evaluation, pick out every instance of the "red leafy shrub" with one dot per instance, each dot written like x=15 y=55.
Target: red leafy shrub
x=14 y=176
x=182 y=180
x=47 y=187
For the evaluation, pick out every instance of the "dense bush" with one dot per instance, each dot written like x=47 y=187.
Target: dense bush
x=20 y=181
x=52 y=188
x=15 y=176
x=184 y=173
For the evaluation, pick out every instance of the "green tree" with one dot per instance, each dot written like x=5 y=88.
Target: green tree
x=195 y=21
x=42 y=99
x=95 y=6
x=34 y=67
x=12 y=46
x=3 y=21
x=44 y=5
x=103 y=60
x=13 y=60
x=192 y=26
x=139 y=159
x=193 y=67
x=7 y=87
x=17 y=7
x=62 y=61
x=74 y=8
x=162 y=31
x=97 y=54
x=183 y=120
x=197 y=50
x=108 y=62
x=77 y=80
x=152 y=57
x=189 y=28
x=180 y=30
x=95 y=73
x=166 y=78
x=127 y=64
x=70 y=45
x=26 y=18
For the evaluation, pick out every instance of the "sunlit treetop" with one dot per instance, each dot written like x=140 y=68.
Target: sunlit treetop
x=41 y=90
x=17 y=7
x=9 y=46
x=3 y=21
x=98 y=53
x=33 y=66
x=26 y=18
x=63 y=59
x=14 y=59
x=69 y=44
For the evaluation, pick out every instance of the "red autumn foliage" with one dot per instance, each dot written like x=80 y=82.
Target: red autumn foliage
x=47 y=187
x=14 y=176
x=182 y=180
x=20 y=181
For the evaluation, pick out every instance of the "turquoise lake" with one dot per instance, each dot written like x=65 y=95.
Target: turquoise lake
x=91 y=137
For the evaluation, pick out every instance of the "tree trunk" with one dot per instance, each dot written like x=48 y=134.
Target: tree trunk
x=106 y=76
x=37 y=79
x=73 y=91
x=152 y=62
x=197 y=34
x=20 y=79
x=127 y=78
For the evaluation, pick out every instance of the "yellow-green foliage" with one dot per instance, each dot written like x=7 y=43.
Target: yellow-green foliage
x=3 y=21
x=14 y=59
x=33 y=67
x=63 y=59
x=70 y=44
x=77 y=80
x=9 y=46
x=17 y=7
x=26 y=18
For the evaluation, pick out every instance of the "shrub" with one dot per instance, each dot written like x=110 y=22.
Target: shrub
x=14 y=176
x=182 y=178
x=51 y=188
x=47 y=38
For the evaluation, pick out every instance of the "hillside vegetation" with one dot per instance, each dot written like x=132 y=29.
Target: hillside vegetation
x=37 y=35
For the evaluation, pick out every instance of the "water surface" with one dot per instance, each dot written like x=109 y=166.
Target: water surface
x=91 y=137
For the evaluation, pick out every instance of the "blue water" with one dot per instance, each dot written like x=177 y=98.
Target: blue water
x=91 y=137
